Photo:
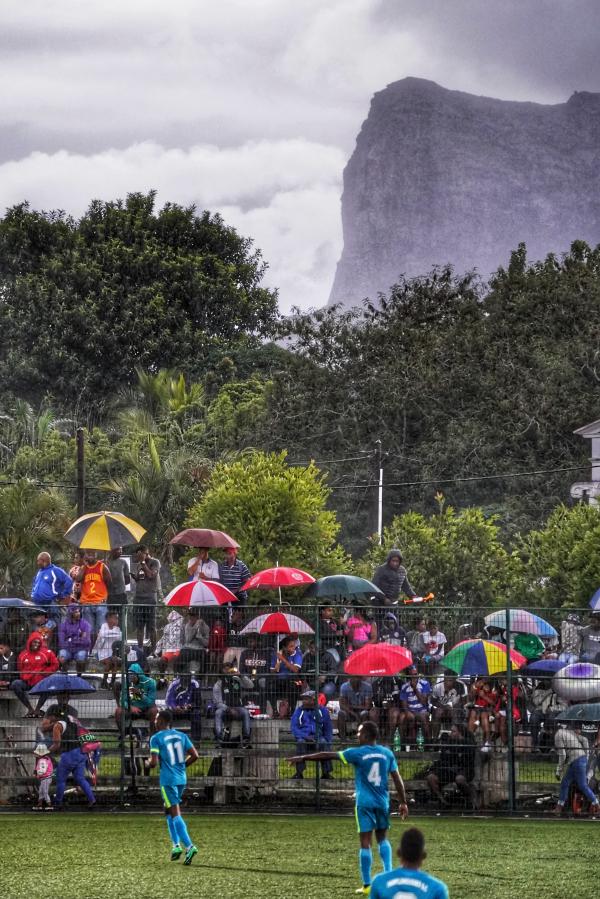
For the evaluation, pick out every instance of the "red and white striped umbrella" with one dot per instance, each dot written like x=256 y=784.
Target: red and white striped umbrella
x=271 y=578
x=200 y=593
x=277 y=623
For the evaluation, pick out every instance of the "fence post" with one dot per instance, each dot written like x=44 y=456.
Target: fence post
x=509 y=720
x=318 y=728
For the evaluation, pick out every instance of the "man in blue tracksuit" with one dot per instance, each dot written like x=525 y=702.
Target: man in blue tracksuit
x=312 y=729
x=50 y=585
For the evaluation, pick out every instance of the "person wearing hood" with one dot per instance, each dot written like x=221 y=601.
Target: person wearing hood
x=170 y=641
x=140 y=699
x=74 y=639
x=34 y=664
x=391 y=578
x=184 y=700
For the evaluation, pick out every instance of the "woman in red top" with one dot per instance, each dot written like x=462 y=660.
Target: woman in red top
x=501 y=709
x=484 y=697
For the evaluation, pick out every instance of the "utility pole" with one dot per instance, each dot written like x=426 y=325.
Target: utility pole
x=380 y=492
x=80 y=472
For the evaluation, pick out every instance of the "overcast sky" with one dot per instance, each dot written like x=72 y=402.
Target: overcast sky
x=252 y=107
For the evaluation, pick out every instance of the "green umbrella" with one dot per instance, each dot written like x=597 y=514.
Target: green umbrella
x=529 y=645
x=584 y=711
x=341 y=587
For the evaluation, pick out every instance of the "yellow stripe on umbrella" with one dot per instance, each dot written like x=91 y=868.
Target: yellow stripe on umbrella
x=104 y=531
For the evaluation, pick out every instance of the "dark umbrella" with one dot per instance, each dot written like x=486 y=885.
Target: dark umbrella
x=341 y=587
x=206 y=538
x=63 y=683
x=9 y=603
x=585 y=711
x=542 y=668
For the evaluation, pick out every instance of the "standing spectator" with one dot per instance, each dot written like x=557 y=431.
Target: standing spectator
x=448 y=699
x=233 y=573
x=95 y=581
x=73 y=760
x=51 y=584
x=170 y=641
x=184 y=700
x=356 y=701
x=140 y=700
x=360 y=630
x=434 y=642
x=573 y=749
x=229 y=704
x=120 y=579
x=109 y=633
x=392 y=579
x=202 y=567
x=43 y=772
x=414 y=704
x=8 y=663
x=75 y=571
x=33 y=665
x=590 y=640
x=285 y=665
x=74 y=639
x=146 y=596
x=545 y=705
x=501 y=709
x=570 y=638
x=313 y=732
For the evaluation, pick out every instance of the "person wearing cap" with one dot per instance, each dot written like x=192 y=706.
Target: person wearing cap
x=43 y=771
x=313 y=732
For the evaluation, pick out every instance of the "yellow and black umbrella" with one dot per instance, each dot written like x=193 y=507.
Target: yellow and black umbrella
x=104 y=530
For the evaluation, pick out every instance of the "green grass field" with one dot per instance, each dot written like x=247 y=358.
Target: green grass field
x=105 y=856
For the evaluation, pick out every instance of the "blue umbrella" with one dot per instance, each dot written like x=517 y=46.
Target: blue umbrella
x=10 y=603
x=542 y=668
x=595 y=601
x=63 y=683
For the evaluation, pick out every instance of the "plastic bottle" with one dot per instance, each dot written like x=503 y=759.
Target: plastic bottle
x=420 y=740
x=397 y=745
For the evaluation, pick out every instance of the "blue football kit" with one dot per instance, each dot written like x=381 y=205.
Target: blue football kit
x=407 y=883
x=373 y=765
x=171 y=746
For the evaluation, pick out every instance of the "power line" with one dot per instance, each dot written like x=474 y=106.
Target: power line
x=482 y=477
x=362 y=458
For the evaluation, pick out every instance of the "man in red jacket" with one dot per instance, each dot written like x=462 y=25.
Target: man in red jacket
x=34 y=664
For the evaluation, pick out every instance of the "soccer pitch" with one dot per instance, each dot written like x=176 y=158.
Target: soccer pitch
x=110 y=856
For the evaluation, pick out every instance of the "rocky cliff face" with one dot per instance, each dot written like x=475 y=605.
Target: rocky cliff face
x=442 y=176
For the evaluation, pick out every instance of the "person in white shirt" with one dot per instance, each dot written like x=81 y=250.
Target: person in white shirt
x=202 y=567
x=433 y=641
x=108 y=634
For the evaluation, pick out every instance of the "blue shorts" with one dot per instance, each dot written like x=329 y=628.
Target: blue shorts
x=172 y=795
x=368 y=819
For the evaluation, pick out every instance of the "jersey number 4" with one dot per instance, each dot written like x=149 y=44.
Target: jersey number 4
x=374 y=775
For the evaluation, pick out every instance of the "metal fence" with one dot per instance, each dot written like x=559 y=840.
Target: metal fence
x=478 y=736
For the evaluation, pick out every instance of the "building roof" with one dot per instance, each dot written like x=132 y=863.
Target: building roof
x=591 y=430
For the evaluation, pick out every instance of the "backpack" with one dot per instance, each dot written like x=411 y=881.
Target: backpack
x=88 y=742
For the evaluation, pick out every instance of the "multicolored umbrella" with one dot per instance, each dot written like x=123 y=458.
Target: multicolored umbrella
x=104 y=530
x=521 y=622
x=542 y=668
x=205 y=538
x=200 y=593
x=578 y=682
x=481 y=657
x=277 y=623
x=341 y=587
x=272 y=578
x=588 y=711
x=378 y=660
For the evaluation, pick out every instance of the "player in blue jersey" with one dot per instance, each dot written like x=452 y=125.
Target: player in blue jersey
x=373 y=765
x=176 y=752
x=408 y=881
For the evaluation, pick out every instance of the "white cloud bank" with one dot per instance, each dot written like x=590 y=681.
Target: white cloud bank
x=284 y=194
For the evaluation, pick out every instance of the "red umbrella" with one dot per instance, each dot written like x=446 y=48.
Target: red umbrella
x=277 y=623
x=200 y=593
x=205 y=537
x=271 y=578
x=378 y=660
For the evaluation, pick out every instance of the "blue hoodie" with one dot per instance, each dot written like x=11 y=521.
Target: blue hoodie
x=304 y=724
x=51 y=583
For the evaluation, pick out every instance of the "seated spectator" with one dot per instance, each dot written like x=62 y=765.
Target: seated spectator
x=235 y=624
x=202 y=567
x=135 y=654
x=74 y=639
x=185 y=701
x=140 y=700
x=356 y=701
x=8 y=664
x=217 y=644
x=16 y=630
x=501 y=708
x=434 y=642
x=448 y=698
x=195 y=638
x=285 y=683
x=33 y=665
x=483 y=697
x=456 y=764
x=332 y=632
x=170 y=642
x=414 y=706
x=328 y=668
x=109 y=633
x=590 y=640
x=360 y=629
x=312 y=729
x=229 y=703
x=545 y=705
x=415 y=641
x=45 y=626
x=570 y=638
x=392 y=631
x=386 y=706
x=255 y=664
